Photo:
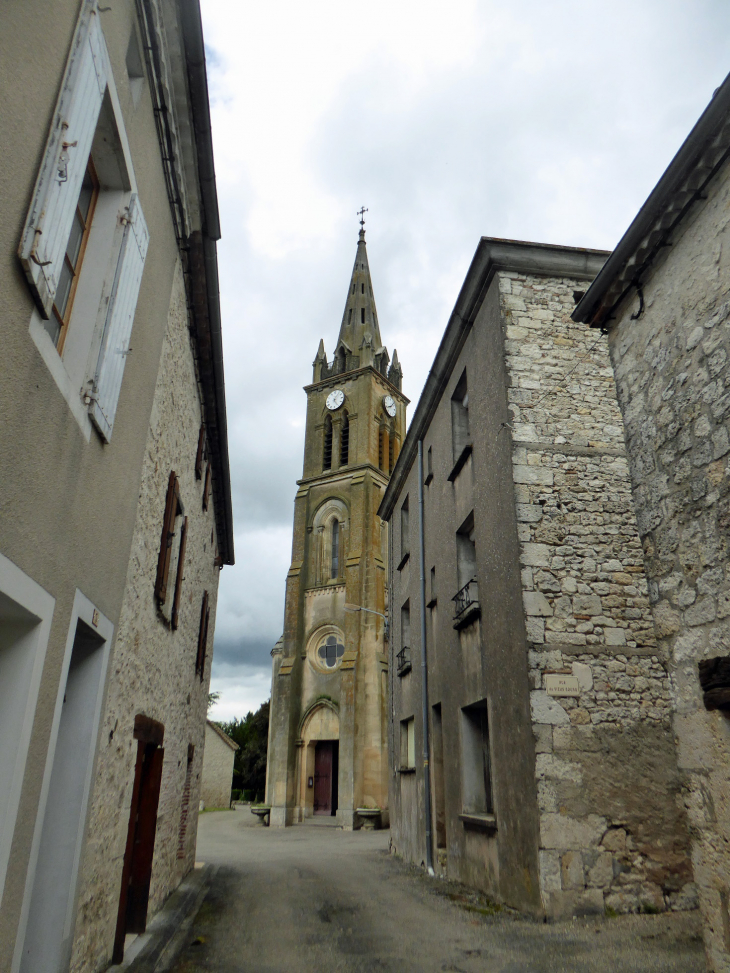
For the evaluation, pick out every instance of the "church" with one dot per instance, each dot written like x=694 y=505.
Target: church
x=328 y=732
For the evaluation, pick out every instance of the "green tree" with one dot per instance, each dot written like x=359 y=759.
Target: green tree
x=252 y=736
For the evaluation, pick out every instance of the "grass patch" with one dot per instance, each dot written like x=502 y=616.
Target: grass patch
x=207 y=810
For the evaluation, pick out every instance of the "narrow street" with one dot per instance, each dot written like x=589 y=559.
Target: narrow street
x=315 y=899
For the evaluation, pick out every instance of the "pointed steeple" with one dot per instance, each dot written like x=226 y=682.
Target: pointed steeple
x=360 y=318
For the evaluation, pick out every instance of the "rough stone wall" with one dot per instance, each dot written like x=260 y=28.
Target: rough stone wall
x=612 y=831
x=218 y=758
x=152 y=668
x=672 y=368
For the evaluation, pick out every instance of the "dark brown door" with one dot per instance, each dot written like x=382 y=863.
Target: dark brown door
x=323 y=768
x=137 y=871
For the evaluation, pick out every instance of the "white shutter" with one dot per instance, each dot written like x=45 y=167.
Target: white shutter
x=119 y=320
x=58 y=185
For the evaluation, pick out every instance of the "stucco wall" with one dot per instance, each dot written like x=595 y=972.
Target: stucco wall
x=215 y=790
x=612 y=825
x=672 y=369
x=152 y=668
x=69 y=505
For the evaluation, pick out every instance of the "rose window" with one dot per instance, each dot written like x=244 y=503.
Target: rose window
x=330 y=652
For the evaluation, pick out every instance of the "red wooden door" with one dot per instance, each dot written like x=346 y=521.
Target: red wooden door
x=323 y=777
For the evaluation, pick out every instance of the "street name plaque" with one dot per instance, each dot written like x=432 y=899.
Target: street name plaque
x=561 y=684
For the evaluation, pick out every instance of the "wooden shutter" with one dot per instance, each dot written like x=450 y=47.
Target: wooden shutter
x=199 y=454
x=168 y=533
x=48 y=225
x=202 y=636
x=179 y=578
x=206 y=491
x=119 y=319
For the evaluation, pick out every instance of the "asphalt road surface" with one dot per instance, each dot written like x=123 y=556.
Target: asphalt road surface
x=315 y=899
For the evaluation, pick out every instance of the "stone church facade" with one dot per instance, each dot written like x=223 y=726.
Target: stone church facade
x=328 y=728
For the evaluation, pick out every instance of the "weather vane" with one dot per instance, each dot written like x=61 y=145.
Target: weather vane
x=361 y=213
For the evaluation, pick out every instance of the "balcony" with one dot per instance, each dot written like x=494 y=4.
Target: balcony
x=403 y=661
x=466 y=604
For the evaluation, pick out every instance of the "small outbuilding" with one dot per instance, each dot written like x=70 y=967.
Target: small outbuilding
x=217 y=767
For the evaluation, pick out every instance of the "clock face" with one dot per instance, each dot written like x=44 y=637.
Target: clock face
x=335 y=399
x=390 y=406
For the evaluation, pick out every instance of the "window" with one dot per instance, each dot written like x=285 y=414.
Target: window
x=466 y=552
x=405 y=624
x=327 y=457
x=362 y=288
x=432 y=588
x=429 y=466
x=391 y=451
x=330 y=652
x=200 y=455
x=408 y=744
x=476 y=777
x=73 y=257
x=381 y=447
x=84 y=242
x=206 y=488
x=460 y=418
x=345 y=440
x=362 y=315
x=335 y=564
x=171 y=560
x=202 y=637
x=349 y=317
x=405 y=545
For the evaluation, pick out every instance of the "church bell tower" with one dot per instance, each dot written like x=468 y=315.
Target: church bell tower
x=328 y=731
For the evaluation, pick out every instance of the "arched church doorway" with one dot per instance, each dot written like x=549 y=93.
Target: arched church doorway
x=326 y=753
x=319 y=754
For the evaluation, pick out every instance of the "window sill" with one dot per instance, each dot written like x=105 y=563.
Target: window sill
x=485 y=822
x=459 y=464
x=404 y=560
x=406 y=770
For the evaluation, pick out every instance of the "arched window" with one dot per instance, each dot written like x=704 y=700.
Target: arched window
x=391 y=451
x=327 y=458
x=335 y=572
x=345 y=440
x=381 y=447
x=330 y=652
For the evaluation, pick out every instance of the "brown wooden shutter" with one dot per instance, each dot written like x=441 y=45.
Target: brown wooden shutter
x=199 y=455
x=168 y=532
x=206 y=491
x=202 y=636
x=179 y=578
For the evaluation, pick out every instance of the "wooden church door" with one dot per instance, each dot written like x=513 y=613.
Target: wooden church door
x=325 y=777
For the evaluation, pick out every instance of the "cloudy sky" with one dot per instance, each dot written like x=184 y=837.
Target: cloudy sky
x=546 y=121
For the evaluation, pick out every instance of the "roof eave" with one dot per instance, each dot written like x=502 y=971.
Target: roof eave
x=592 y=307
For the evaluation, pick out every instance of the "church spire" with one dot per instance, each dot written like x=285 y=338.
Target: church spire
x=360 y=318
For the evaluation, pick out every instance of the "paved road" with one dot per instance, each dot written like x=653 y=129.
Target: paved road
x=314 y=899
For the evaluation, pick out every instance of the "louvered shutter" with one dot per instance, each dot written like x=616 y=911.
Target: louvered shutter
x=199 y=454
x=202 y=636
x=206 y=490
x=168 y=532
x=58 y=185
x=119 y=320
x=179 y=579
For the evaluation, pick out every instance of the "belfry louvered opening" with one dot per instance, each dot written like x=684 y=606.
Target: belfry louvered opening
x=345 y=441
x=327 y=452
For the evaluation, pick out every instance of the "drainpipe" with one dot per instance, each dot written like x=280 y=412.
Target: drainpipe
x=424 y=669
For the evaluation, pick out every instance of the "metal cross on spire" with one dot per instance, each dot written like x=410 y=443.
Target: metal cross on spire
x=361 y=213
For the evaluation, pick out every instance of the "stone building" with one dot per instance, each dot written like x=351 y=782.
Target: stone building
x=664 y=299
x=328 y=728
x=115 y=489
x=552 y=763
x=218 y=757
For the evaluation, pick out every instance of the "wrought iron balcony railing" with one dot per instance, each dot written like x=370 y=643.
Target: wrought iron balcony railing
x=466 y=601
x=403 y=660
